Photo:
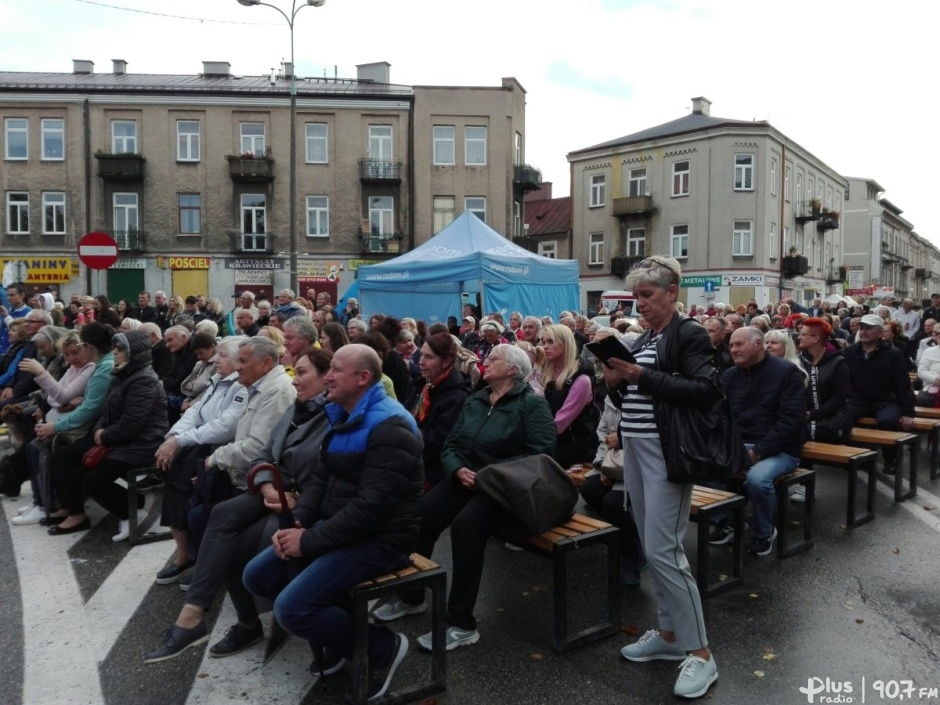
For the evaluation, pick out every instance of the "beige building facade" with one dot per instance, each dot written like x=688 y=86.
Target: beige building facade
x=748 y=213
x=191 y=174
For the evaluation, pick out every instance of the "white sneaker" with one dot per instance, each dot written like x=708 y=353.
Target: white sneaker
x=124 y=526
x=25 y=508
x=396 y=608
x=32 y=515
x=799 y=494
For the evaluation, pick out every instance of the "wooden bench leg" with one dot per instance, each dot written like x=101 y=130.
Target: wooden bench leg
x=899 y=494
x=135 y=537
x=784 y=547
x=852 y=518
x=934 y=442
x=562 y=639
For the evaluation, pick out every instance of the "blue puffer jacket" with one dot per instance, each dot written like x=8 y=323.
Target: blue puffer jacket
x=368 y=481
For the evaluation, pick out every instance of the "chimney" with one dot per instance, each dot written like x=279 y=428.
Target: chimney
x=377 y=72
x=215 y=68
x=120 y=67
x=701 y=106
x=287 y=69
x=83 y=66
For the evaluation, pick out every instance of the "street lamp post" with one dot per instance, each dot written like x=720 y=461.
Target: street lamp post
x=293 y=126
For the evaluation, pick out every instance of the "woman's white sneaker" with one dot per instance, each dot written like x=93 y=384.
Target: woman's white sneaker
x=32 y=515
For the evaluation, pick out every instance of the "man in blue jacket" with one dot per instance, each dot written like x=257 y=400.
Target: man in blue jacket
x=768 y=404
x=15 y=307
x=360 y=519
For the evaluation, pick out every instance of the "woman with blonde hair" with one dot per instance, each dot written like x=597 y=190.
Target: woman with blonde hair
x=569 y=391
x=537 y=358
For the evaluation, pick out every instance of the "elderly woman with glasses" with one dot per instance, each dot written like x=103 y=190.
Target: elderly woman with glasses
x=503 y=421
x=663 y=376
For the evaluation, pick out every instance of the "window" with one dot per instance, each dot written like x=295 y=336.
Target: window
x=680 y=178
x=771 y=239
x=773 y=177
x=53 y=213
x=743 y=172
x=477 y=206
x=743 y=240
x=636 y=242
x=598 y=191
x=53 y=138
x=382 y=214
x=318 y=216
x=548 y=249
x=445 y=140
x=679 y=241
x=637 y=182
x=190 y=208
x=16 y=138
x=252 y=138
x=474 y=146
x=123 y=137
x=380 y=142
x=254 y=222
x=516 y=218
x=799 y=184
x=786 y=182
x=17 y=213
x=444 y=207
x=317 y=143
x=786 y=240
x=517 y=153
x=596 y=248
x=187 y=140
x=126 y=219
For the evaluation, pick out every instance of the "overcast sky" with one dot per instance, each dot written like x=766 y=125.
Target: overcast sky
x=851 y=81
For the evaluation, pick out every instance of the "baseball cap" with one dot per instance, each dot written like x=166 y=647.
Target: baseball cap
x=872 y=320
x=471 y=319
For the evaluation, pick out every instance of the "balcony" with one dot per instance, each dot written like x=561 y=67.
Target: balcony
x=621 y=266
x=923 y=273
x=247 y=167
x=121 y=167
x=794 y=266
x=828 y=220
x=808 y=210
x=633 y=205
x=379 y=244
x=526 y=178
x=379 y=171
x=130 y=240
x=251 y=243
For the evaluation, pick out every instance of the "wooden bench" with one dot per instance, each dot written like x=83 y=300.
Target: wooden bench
x=854 y=460
x=878 y=438
x=705 y=503
x=135 y=536
x=923 y=427
x=557 y=544
x=931 y=414
x=421 y=573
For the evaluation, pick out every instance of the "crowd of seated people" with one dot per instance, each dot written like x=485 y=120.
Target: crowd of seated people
x=204 y=396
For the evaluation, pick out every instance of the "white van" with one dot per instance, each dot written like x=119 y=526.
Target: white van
x=625 y=299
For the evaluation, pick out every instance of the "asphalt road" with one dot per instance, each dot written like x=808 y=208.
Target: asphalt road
x=861 y=609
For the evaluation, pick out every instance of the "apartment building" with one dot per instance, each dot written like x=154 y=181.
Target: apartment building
x=547 y=226
x=191 y=174
x=884 y=256
x=747 y=211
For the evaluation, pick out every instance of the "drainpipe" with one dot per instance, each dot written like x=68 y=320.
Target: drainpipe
x=783 y=200
x=86 y=138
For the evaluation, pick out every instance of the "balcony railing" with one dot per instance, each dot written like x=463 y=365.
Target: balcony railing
x=381 y=244
x=130 y=240
x=808 y=210
x=794 y=266
x=923 y=273
x=621 y=266
x=251 y=243
x=242 y=167
x=526 y=177
x=828 y=220
x=379 y=171
x=121 y=167
x=633 y=205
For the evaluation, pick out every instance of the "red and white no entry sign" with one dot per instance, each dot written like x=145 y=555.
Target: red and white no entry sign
x=97 y=250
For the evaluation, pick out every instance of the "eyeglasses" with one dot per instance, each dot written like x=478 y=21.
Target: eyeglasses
x=655 y=261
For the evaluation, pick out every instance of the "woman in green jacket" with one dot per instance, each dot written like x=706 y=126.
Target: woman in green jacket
x=503 y=421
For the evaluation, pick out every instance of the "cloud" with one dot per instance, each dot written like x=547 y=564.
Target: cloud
x=564 y=74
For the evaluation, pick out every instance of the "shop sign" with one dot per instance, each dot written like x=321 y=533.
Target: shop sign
x=700 y=281
x=252 y=278
x=244 y=263
x=130 y=263
x=743 y=280
x=189 y=262
x=326 y=270
x=42 y=270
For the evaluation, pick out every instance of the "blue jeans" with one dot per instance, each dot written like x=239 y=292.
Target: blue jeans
x=760 y=489
x=314 y=605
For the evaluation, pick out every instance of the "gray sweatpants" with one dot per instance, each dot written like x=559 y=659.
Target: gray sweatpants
x=661 y=509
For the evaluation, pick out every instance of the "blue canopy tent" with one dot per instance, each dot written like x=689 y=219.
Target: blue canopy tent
x=468 y=256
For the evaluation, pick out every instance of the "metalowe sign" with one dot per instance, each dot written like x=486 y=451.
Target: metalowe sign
x=700 y=281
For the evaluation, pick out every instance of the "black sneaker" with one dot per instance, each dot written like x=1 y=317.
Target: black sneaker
x=185 y=581
x=151 y=482
x=722 y=533
x=172 y=573
x=176 y=640
x=380 y=677
x=761 y=547
x=236 y=640
x=332 y=662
